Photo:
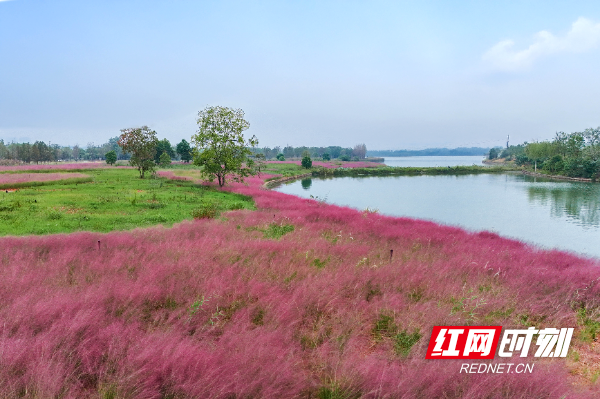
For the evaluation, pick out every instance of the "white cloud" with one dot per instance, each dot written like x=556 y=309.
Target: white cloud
x=583 y=36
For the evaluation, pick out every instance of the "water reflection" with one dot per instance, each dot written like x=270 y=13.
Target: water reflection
x=306 y=183
x=578 y=202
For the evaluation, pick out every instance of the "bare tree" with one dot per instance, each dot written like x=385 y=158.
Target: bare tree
x=360 y=151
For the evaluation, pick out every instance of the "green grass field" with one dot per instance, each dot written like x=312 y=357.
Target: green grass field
x=277 y=169
x=115 y=199
x=284 y=169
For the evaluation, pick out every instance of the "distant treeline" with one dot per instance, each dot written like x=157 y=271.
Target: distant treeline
x=461 y=151
x=332 y=152
x=42 y=152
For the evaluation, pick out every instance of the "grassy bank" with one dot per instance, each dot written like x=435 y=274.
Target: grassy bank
x=296 y=299
x=60 y=167
x=283 y=171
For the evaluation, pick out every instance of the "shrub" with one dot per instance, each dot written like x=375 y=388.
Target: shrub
x=207 y=210
x=280 y=157
x=306 y=162
x=54 y=214
x=155 y=205
x=276 y=231
x=326 y=157
x=405 y=341
x=236 y=206
x=522 y=159
x=384 y=327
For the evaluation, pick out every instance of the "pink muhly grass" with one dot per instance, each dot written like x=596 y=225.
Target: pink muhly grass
x=213 y=308
x=60 y=166
x=169 y=174
x=6 y=179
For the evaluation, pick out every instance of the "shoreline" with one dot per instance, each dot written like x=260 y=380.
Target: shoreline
x=388 y=171
x=284 y=179
x=557 y=177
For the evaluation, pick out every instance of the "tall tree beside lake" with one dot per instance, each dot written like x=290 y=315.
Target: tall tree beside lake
x=539 y=151
x=221 y=148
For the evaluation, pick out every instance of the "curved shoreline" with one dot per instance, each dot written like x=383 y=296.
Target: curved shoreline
x=388 y=171
x=278 y=181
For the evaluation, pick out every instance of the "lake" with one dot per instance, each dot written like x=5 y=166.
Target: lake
x=543 y=212
x=434 y=161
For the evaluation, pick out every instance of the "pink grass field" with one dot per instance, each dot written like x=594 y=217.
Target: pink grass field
x=213 y=309
x=60 y=166
x=16 y=178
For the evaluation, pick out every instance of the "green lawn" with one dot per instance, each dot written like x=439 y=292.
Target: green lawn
x=278 y=169
x=115 y=199
x=284 y=169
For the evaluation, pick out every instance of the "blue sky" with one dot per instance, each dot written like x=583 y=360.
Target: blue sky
x=390 y=74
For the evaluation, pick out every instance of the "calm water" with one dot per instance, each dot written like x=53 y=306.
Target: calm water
x=551 y=214
x=434 y=161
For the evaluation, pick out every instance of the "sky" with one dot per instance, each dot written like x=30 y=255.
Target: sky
x=390 y=74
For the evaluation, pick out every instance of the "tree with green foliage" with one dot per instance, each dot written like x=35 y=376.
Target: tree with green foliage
x=111 y=157
x=221 y=149
x=512 y=152
x=280 y=157
x=41 y=152
x=141 y=143
x=164 y=160
x=326 y=157
x=539 y=151
x=163 y=146
x=493 y=154
x=554 y=164
x=184 y=150
x=306 y=161
x=288 y=151
x=575 y=144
